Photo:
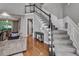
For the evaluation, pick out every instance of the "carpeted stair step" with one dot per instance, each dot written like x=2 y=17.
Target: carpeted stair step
x=65 y=54
x=59 y=36
x=64 y=42
x=64 y=49
x=59 y=32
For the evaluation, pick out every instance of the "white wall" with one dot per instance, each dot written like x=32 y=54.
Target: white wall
x=72 y=11
x=23 y=26
x=54 y=8
x=36 y=24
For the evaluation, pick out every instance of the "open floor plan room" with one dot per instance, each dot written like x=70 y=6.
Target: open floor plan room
x=39 y=29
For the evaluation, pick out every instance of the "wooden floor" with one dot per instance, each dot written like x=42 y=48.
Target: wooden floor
x=36 y=48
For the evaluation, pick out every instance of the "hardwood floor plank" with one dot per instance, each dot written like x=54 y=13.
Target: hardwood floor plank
x=36 y=48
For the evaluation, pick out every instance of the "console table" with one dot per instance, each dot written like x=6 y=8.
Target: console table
x=41 y=35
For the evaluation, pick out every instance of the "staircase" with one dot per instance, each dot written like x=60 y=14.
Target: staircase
x=44 y=22
x=63 y=46
x=59 y=41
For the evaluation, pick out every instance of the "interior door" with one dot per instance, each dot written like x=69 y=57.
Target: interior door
x=30 y=26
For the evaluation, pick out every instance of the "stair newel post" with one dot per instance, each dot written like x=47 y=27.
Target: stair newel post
x=50 y=45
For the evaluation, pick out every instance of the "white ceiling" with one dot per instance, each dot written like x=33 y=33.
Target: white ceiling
x=12 y=8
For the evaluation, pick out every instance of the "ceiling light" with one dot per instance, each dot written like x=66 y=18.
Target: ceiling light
x=5 y=14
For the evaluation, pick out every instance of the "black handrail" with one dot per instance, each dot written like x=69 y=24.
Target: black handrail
x=28 y=6
x=49 y=15
x=37 y=8
x=42 y=11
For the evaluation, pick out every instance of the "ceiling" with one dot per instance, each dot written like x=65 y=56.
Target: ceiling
x=12 y=8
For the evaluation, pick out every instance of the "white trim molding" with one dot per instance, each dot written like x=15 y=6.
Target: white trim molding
x=73 y=31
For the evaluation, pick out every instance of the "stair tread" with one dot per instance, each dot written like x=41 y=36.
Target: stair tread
x=67 y=42
x=60 y=36
x=65 y=54
x=73 y=50
x=59 y=32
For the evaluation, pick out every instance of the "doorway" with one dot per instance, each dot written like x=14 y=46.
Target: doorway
x=30 y=27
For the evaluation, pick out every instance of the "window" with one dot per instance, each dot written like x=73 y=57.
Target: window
x=5 y=25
